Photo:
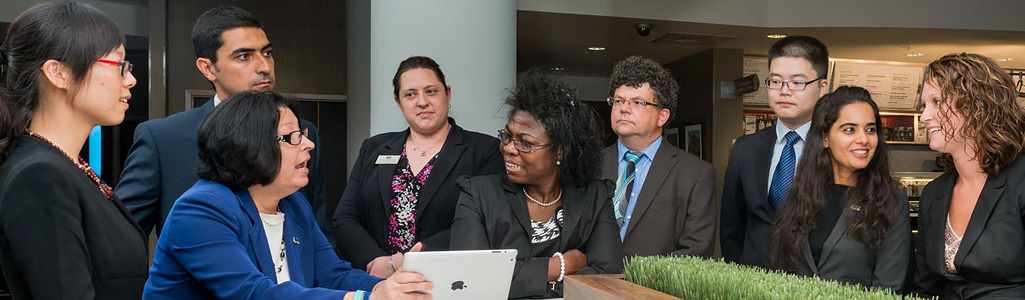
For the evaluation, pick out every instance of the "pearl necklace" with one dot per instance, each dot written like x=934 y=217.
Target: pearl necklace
x=542 y=203
x=81 y=164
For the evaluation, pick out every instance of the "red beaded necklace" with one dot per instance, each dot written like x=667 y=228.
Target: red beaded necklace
x=84 y=166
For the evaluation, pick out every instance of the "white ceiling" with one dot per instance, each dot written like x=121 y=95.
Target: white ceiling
x=561 y=40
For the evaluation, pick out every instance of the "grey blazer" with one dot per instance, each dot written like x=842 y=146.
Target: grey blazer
x=676 y=210
x=845 y=259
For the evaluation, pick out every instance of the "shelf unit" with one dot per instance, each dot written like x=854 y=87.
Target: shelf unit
x=899 y=127
x=912 y=184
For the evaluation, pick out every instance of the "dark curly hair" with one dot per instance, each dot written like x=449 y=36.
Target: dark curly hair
x=635 y=71
x=237 y=144
x=805 y=203
x=571 y=125
x=977 y=89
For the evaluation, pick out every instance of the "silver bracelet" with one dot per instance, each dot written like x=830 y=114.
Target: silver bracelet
x=391 y=262
x=562 y=265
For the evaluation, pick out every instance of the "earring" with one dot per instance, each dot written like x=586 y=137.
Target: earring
x=558 y=163
x=450 y=106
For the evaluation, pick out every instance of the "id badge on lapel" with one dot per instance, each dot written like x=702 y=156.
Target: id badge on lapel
x=387 y=160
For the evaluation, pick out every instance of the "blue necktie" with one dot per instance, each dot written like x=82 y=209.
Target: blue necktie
x=623 y=186
x=784 y=174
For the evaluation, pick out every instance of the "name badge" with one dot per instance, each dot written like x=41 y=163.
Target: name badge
x=387 y=159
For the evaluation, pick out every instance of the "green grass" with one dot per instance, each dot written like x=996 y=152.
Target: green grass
x=695 y=278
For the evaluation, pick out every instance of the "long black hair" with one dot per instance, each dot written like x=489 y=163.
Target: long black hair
x=875 y=193
x=73 y=33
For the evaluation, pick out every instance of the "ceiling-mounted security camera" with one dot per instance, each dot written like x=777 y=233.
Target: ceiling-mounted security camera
x=643 y=29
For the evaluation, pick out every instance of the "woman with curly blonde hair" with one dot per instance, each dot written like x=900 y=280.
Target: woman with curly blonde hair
x=971 y=241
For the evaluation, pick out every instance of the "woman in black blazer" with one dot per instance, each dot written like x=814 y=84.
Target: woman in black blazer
x=550 y=206
x=63 y=233
x=971 y=237
x=401 y=194
x=843 y=217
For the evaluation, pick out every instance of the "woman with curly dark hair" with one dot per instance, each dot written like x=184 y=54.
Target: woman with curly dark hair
x=843 y=218
x=549 y=205
x=971 y=242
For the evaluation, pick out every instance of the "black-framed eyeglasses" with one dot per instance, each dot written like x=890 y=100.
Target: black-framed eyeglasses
x=126 y=67
x=775 y=84
x=613 y=101
x=294 y=137
x=521 y=145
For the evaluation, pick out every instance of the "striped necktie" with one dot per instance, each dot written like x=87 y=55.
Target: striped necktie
x=784 y=174
x=624 y=185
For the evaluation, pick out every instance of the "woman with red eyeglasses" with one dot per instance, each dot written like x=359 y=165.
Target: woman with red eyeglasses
x=63 y=233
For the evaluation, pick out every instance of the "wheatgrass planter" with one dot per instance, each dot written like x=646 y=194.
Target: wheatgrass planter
x=692 y=278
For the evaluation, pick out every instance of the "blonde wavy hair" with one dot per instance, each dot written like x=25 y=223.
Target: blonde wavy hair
x=975 y=88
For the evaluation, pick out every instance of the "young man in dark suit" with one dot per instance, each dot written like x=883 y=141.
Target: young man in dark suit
x=235 y=55
x=762 y=165
x=664 y=199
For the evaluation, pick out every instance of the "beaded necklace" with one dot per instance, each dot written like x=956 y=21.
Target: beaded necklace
x=82 y=165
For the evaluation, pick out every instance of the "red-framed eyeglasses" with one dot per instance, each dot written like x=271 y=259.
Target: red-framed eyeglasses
x=126 y=67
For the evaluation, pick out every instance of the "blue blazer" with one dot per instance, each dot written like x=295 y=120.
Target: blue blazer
x=162 y=162
x=214 y=247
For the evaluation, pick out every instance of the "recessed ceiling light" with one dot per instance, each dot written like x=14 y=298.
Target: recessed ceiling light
x=776 y=36
x=596 y=48
x=1005 y=59
x=557 y=69
x=915 y=54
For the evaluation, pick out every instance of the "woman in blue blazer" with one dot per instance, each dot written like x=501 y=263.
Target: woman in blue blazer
x=243 y=231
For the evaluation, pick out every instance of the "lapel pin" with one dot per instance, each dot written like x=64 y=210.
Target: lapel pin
x=856 y=207
x=295 y=240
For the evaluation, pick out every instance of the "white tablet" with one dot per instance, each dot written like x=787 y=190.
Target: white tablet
x=476 y=274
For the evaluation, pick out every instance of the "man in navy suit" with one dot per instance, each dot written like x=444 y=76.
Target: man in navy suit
x=762 y=165
x=235 y=55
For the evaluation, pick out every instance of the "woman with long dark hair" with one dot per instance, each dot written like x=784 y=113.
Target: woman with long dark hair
x=971 y=241
x=844 y=219
x=63 y=233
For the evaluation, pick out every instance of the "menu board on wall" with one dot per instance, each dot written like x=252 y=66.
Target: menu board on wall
x=758 y=66
x=893 y=87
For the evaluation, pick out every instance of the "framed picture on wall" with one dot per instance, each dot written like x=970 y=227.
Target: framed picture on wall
x=692 y=138
x=672 y=136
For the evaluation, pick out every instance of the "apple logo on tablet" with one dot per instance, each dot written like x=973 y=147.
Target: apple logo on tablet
x=458 y=285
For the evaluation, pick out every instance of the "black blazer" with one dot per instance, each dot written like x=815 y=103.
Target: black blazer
x=162 y=163
x=991 y=260
x=361 y=219
x=746 y=217
x=492 y=214
x=60 y=238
